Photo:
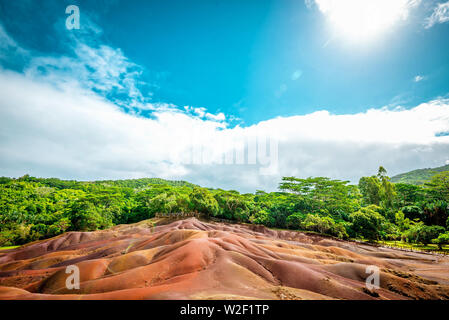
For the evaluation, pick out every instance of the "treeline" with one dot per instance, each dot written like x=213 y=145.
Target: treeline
x=34 y=208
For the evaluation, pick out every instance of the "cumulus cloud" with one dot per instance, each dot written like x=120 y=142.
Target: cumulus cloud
x=72 y=133
x=440 y=15
x=56 y=120
x=202 y=113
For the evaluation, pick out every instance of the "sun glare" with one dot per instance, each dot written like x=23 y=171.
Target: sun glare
x=362 y=20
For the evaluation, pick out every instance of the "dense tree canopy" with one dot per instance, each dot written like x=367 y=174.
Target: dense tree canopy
x=35 y=208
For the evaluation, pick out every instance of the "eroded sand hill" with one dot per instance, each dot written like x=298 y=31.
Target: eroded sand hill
x=191 y=259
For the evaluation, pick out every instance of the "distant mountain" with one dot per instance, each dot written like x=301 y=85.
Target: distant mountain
x=73 y=184
x=144 y=182
x=419 y=176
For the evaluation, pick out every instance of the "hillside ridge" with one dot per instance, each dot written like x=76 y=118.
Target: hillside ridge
x=418 y=176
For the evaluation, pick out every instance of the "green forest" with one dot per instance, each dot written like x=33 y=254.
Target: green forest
x=374 y=210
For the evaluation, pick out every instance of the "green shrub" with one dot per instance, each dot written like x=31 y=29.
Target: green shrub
x=367 y=223
x=324 y=225
x=420 y=233
x=442 y=239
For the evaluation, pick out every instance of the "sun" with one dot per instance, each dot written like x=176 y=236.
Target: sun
x=363 y=20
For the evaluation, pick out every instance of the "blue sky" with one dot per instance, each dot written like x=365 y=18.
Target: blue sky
x=236 y=65
x=241 y=57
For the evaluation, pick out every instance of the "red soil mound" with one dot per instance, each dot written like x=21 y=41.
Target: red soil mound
x=191 y=259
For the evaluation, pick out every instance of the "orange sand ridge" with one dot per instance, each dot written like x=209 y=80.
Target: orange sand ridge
x=192 y=259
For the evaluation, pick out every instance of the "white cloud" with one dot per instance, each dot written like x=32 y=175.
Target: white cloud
x=418 y=78
x=9 y=48
x=6 y=43
x=72 y=133
x=217 y=117
x=202 y=113
x=439 y=15
x=104 y=69
x=56 y=120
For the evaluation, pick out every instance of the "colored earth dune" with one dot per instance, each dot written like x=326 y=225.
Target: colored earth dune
x=193 y=259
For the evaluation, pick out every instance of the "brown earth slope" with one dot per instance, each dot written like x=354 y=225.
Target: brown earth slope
x=191 y=259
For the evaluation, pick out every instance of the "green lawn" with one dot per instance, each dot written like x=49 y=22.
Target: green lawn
x=414 y=246
x=6 y=248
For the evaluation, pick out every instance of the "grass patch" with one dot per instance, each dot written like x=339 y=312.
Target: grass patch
x=7 y=248
x=415 y=246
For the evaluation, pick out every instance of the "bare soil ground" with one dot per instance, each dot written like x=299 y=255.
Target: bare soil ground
x=192 y=259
